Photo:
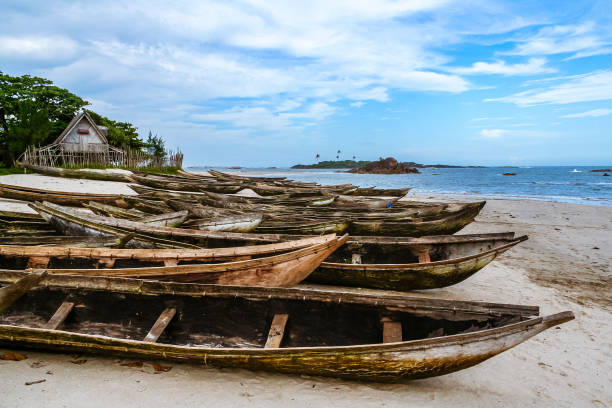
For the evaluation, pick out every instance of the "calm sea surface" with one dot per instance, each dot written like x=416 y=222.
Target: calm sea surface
x=563 y=184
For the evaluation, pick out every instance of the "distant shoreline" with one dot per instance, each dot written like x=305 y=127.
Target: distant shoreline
x=351 y=164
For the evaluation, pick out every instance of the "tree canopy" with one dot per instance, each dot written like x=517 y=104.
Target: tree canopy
x=120 y=134
x=33 y=111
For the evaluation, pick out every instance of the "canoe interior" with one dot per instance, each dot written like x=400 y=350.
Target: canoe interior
x=408 y=253
x=233 y=321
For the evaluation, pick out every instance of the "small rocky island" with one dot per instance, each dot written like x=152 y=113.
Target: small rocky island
x=385 y=166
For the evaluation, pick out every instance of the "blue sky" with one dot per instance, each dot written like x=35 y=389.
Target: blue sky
x=273 y=83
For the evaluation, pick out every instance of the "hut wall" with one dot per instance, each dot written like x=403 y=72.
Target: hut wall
x=83 y=142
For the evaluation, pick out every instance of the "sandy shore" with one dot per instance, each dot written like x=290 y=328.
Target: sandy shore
x=565 y=265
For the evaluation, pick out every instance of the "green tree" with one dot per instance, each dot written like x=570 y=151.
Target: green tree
x=120 y=134
x=24 y=101
x=155 y=146
x=29 y=127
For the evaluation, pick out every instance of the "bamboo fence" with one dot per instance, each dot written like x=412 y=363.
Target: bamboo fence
x=55 y=156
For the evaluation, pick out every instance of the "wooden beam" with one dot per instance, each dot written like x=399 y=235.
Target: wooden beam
x=277 y=331
x=392 y=331
x=14 y=291
x=59 y=316
x=160 y=325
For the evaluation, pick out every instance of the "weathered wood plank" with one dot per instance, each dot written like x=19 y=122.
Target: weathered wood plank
x=392 y=331
x=59 y=316
x=277 y=331
x=11 y=293
x=160 y=325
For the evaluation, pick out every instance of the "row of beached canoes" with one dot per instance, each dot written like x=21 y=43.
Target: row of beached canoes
x=202 y=275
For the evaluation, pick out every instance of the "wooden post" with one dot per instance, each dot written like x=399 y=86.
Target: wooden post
x=277 y=331
x=59 y=316
x=12 y=292
x=392 y=331
x=424 y=257
x=160 y=325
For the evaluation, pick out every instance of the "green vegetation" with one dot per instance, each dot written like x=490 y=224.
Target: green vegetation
x=331 y=164
x=12 y=170
x=120 y=134
x=34 y=112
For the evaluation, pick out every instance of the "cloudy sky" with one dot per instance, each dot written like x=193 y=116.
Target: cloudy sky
x=265 y=83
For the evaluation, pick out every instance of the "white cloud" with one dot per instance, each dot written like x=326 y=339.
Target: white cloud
x=592 y=113
x=268 y=118
x=533 y=66
x=584 y=39
x=357 y=104
x=493 y=133
x=37 y=47
x=594 y=86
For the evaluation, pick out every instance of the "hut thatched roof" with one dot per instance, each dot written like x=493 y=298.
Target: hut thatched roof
x=75 y=121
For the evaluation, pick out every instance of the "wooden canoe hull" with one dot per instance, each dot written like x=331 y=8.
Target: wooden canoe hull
x=79 y=173
x=392 y=361
x=328 y=227
x=56 y=197
x=380 y=362
x=275 y=271
x=429 y=275
x=67 y=221
x=444 y=225
x=377 y=192
x=105 y=255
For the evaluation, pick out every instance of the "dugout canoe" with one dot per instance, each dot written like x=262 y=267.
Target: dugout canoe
x=304 y=227
x=234 y=223
x=441 y=224
x=161 y=183
x=282 y=270
x=348 y=201
x=77 y=241
x=108 y=210
x=72 y=225
x=421 y=263
x=58 y=197
x=372 y=192
x=69 y=222
x=91 y=174
x=294 y=331
x=58 y=253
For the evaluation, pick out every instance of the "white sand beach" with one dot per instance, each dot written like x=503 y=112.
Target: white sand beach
x=565 y=265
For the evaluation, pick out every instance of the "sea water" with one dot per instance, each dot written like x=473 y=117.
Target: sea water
x=562 y=184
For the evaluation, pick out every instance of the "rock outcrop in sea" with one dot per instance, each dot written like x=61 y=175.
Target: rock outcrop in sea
x=385 y=166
